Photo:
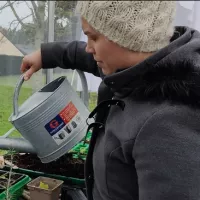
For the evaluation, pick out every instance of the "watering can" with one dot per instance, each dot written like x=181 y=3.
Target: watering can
x=51 y=121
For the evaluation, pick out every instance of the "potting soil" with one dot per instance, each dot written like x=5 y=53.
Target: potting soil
x=64 y=166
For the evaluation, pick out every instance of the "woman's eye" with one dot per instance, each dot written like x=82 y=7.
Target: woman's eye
x=93 y=38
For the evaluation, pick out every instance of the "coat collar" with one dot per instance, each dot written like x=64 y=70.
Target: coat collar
x=172 y=73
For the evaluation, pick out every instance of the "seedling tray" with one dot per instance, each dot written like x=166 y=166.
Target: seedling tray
x=76 y=182
x=17 y=183
x=80 y=150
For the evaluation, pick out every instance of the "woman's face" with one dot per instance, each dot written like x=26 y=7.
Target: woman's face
x=109 y=56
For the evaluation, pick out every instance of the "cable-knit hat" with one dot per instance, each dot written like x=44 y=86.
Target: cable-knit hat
x=144 y=26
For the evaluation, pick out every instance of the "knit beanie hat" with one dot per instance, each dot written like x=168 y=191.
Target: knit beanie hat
x=143 y=26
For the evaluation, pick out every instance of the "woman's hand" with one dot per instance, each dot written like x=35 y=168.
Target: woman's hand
x=31 y=63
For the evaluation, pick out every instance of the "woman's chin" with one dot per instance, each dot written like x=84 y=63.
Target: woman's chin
x=105 y=72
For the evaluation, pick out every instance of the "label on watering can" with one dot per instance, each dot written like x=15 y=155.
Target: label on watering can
x=61 y=126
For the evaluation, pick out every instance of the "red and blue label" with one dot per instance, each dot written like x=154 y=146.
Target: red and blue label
x=63 y=118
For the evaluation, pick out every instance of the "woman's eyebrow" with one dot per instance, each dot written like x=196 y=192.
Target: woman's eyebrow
x=87 y=33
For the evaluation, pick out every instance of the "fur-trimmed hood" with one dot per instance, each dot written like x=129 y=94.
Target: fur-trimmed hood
x=173 y=73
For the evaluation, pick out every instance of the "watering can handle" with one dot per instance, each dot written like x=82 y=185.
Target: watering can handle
x=85 y=96
x=16 y=95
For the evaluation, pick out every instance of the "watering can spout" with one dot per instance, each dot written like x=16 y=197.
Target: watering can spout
x=17 y=144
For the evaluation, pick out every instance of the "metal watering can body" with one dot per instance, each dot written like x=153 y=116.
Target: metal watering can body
x=51 y=121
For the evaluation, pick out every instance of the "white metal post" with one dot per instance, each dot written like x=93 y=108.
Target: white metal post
x=51 y=12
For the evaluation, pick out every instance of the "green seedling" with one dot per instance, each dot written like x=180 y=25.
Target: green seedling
x=83 y=150
x=44 y=186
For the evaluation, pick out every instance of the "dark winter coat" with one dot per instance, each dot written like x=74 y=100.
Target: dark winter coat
x=146 y=139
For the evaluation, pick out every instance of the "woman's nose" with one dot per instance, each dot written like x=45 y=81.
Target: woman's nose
x=89 y=49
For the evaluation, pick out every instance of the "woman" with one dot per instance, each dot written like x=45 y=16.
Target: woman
x=146 y=138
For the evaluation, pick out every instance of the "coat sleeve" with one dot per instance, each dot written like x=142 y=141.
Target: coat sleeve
x=70 y=55
x=167 y=156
